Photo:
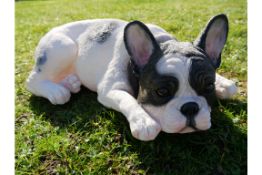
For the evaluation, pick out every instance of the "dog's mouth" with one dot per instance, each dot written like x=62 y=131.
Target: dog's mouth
x=189 y=129
x=186 y=129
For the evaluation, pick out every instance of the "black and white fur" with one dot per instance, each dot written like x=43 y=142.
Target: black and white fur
x=156 y=81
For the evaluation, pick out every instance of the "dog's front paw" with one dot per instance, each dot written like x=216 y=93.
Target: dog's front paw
x=226 y=89
x=143 y=127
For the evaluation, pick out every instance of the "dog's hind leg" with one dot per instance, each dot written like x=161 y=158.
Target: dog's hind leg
x=72 y=83
x=225 y=88
x=53 y=75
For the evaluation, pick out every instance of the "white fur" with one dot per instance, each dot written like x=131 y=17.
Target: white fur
x=72 y=60
x=225 y=88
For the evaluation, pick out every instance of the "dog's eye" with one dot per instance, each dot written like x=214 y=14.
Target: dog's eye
x=210 y=87
x=163 y=92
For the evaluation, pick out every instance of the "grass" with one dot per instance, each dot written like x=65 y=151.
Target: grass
x=83 y=137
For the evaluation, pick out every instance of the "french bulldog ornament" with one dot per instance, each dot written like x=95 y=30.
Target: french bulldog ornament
x=154 y=80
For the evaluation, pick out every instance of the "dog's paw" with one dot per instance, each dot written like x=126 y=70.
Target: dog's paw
x=143 y=127
x=58 y=94
x=226 y=89
x=72 y=83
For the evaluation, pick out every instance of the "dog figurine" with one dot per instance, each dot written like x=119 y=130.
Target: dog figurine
x=140 y=70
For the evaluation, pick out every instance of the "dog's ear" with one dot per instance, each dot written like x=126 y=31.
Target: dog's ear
x=213 y=38
x=140 y=43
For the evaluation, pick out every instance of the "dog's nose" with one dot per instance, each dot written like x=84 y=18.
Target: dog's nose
x=189 y=109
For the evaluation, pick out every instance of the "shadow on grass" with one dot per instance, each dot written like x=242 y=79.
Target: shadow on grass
x=220 y=150
x=82 y=106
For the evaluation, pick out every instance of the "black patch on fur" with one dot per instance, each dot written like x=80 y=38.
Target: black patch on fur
x=41 y=60
x=202 y=78
x=151 y=82
x=101 y=32
x=146 y=81
x=133 y=77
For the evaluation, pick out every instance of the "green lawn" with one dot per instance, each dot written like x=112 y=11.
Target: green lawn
x=83 y=137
